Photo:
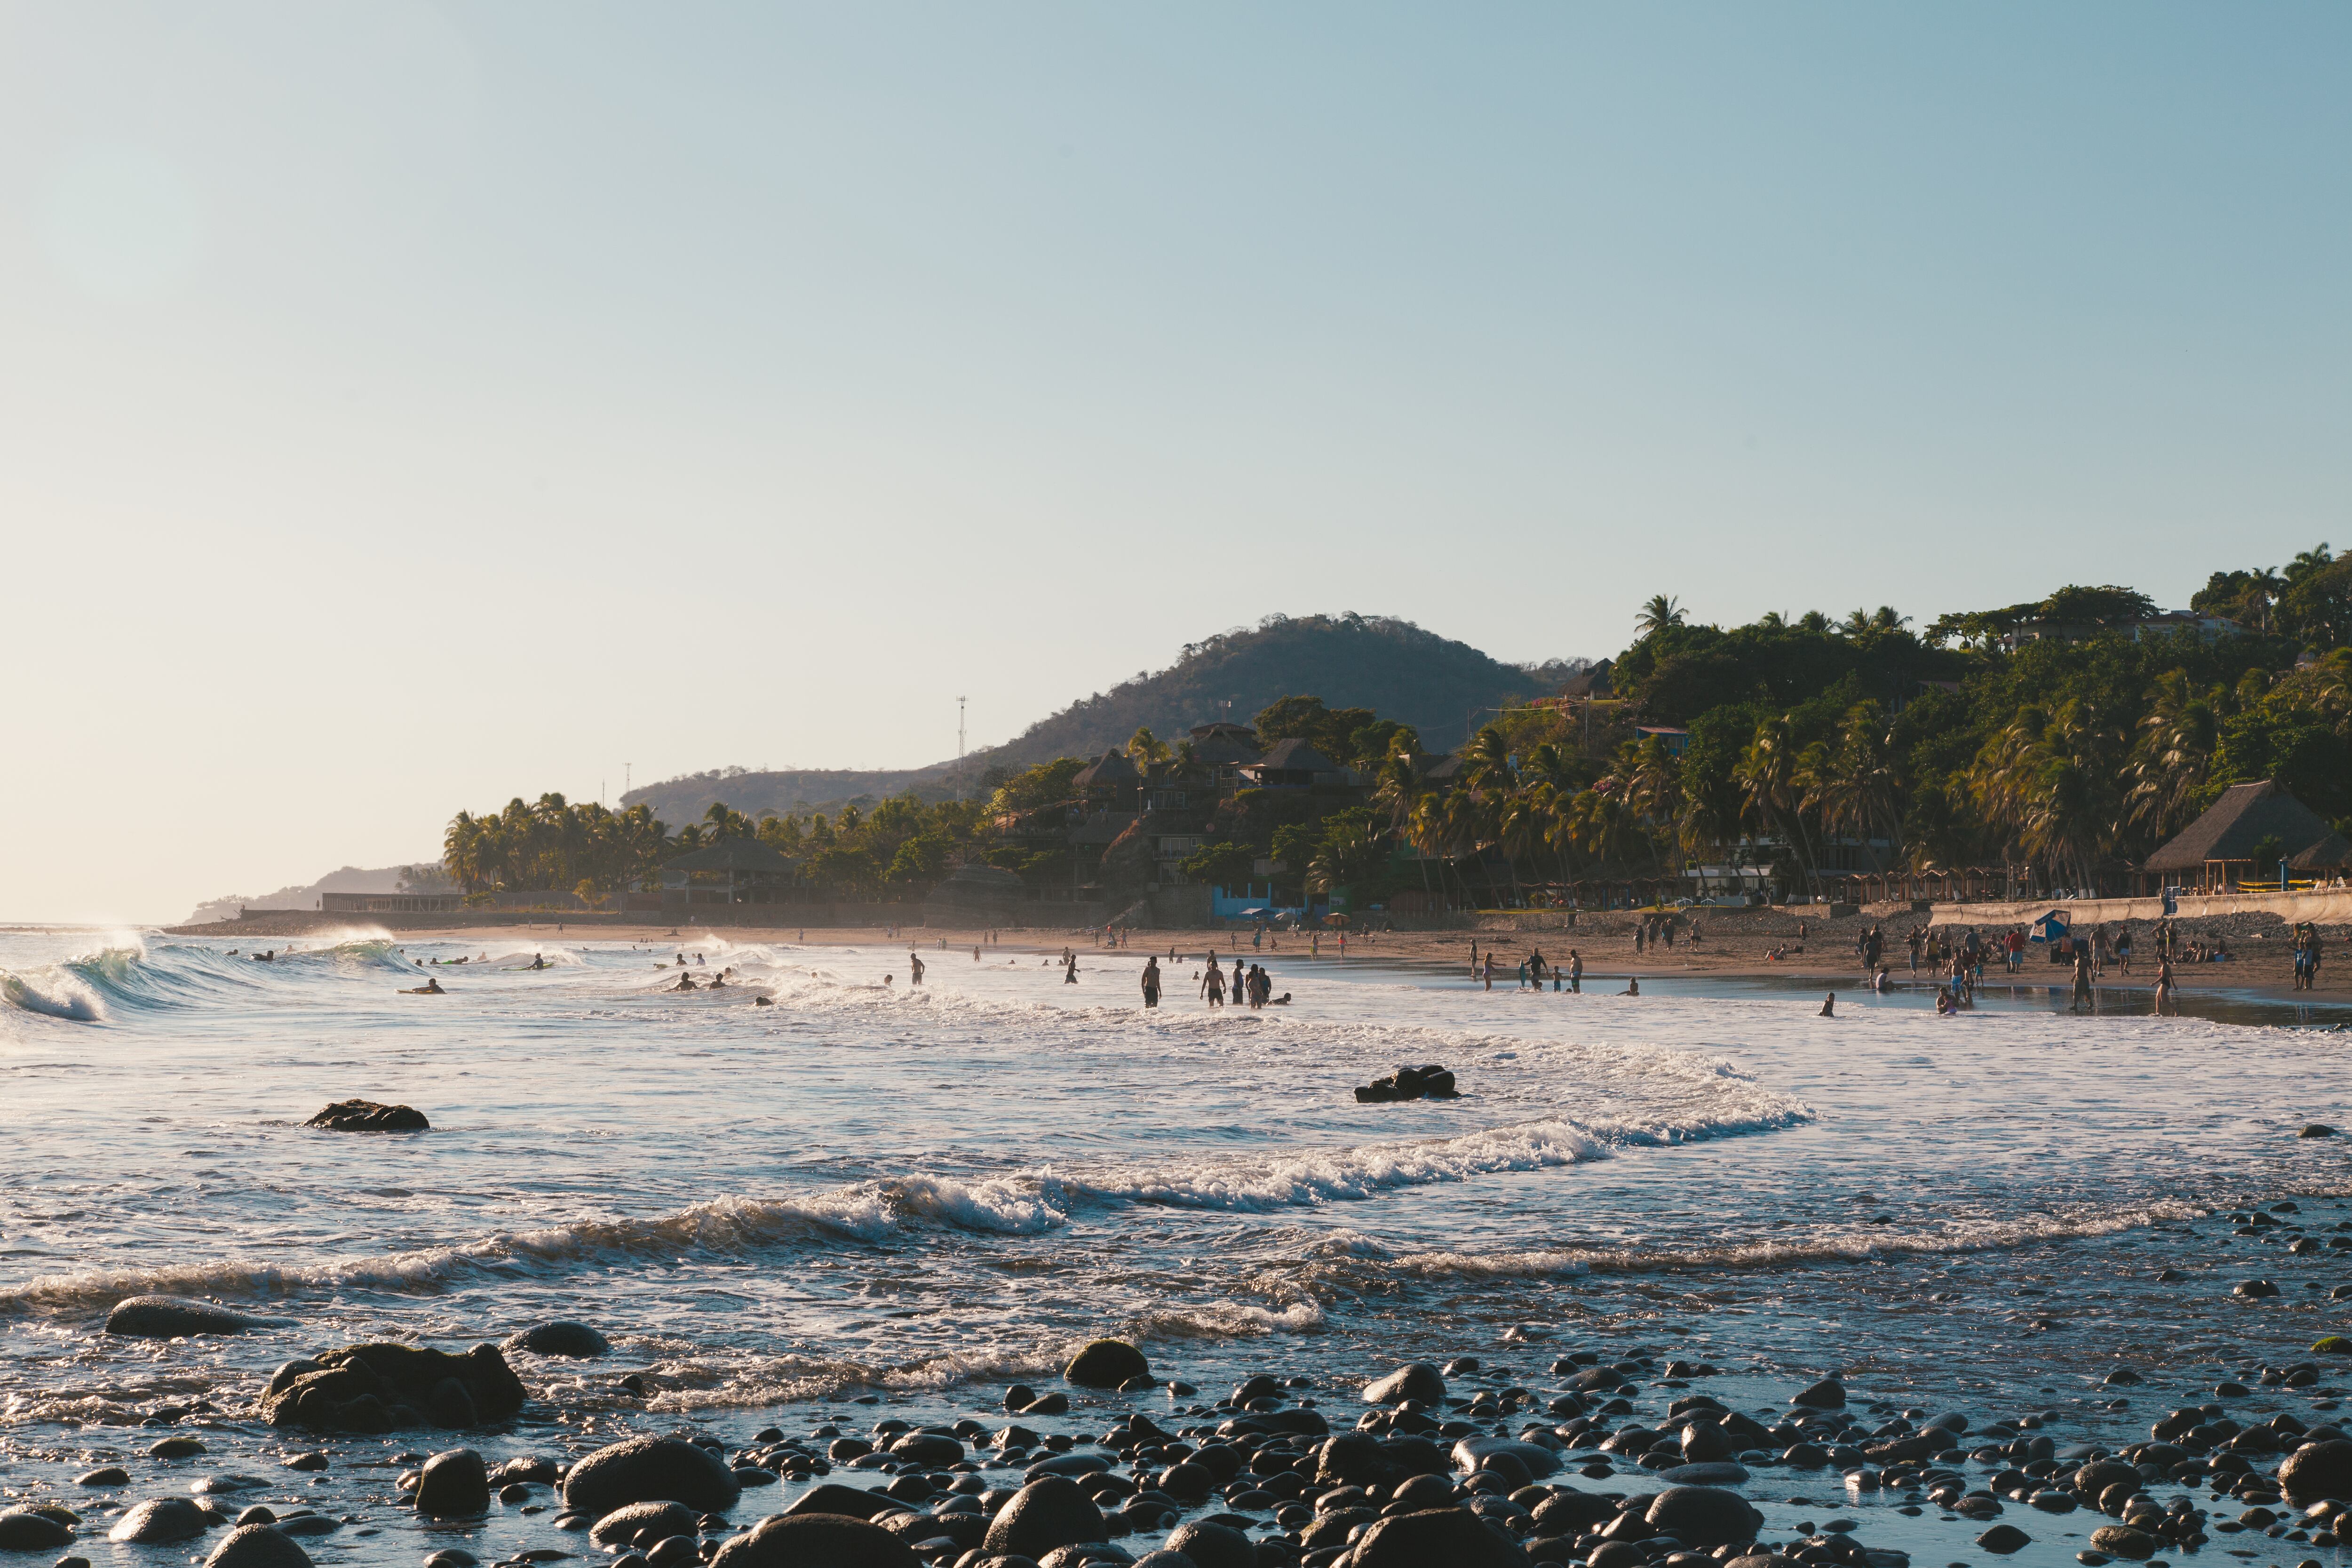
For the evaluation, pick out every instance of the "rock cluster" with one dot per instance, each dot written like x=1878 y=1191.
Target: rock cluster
x=384 y=1387
x=1430 y=1082
x=367 y=1116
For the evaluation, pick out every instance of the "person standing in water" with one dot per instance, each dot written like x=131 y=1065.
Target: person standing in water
x=2082 y=978
x=1576 y=972
x=914 y=970
x=1212 y=984
x=1069 y=968
x=1151 y=981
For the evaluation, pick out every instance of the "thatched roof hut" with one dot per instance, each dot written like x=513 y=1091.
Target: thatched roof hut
x=2218 y=846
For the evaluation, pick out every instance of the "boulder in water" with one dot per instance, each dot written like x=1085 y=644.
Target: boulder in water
x=1452 y=1536
x=258 y=1546
x=577 y=1341
x=815 y=1540
x=1827 y=1394
x=22 y=1529
x=1106 y=1363
x=379 y=1388
x=455 y=1485
x=1414 y=1380
x=160 y=1521
x=367 y=1116
x=1049 y=1511
x=1704 y=1518
x=1430 y=1082
x=650 y=1469
x=2315 y=1470
x=1208 y=1545
x=173 y=1318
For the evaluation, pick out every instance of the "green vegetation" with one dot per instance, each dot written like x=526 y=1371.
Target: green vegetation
x=2069 y=736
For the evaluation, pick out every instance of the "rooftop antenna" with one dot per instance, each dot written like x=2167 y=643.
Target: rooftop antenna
x=625 y=779
x=959 y=778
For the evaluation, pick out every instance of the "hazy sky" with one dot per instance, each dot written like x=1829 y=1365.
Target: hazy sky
x=403 y=406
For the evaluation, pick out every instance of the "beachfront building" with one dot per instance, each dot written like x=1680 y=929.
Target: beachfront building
x=1294 y=765
x=2244 y=836
x=731 y=871
x=1224 y=750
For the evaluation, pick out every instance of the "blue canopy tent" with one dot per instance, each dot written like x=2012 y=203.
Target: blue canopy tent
x=2051 y=927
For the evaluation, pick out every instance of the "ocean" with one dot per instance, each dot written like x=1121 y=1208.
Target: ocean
x=914 y=1196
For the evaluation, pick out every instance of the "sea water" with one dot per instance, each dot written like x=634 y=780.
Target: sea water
x=915 y=1195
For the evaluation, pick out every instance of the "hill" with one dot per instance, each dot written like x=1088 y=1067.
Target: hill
x=1441 y=687
x=349 y=880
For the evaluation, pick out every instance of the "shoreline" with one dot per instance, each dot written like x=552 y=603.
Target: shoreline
x=1733 y=953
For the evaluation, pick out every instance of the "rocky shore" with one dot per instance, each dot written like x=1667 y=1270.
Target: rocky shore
x=1627 y=1461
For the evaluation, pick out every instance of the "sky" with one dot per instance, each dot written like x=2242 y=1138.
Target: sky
x=408 y=406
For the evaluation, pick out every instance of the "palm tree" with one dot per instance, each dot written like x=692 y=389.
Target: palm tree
x=1767 y=773
x=1397 y=791
x=1656 y=615
x=2175 y=755
x=1146 y=748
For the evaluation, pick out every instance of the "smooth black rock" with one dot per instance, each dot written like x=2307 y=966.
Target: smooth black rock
x=24 y=1531
x=2317 y=1129
x=313 y=1461
x=577 y=1341
x=258 y=1546
x=367 y=1116
x=159 y=1521
x=456 y=1485
x=1106 y=1363
x=2123 y=1540
x=109 y=1476
x=2322 y=1470
x=2255 y=1289
x=1703 y=1518
x=1415 y=1380
x=2004 y=1539
x=1163 y=1558
x=622 y=1526
x=834 y=1498
x=1049 y=1511
x=1827 y=1394
x=173 y=1318
x=1435 y=1538
x=1213 y=1546
x=933 y=1449
x=1472 y=1454
x=815 y=1540
x=650 y=1469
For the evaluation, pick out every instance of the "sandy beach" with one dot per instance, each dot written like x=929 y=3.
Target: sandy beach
x=1730 y=942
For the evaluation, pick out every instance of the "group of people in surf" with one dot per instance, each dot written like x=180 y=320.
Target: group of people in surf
x=1251 y=987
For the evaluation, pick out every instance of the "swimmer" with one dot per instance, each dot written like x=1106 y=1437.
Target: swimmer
x=1829 y=1007
x=761 y=1001
x=719 y=981
x=1632 y=986
x=686 y=982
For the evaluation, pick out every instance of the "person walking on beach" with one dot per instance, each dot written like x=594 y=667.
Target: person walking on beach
x=1212 y=984
x=1151 y=981
x=1914 y=942
x=1640 y=927
x=1536 y=965
x=2167 y=998
x=2123 y=948
x=1490 y=969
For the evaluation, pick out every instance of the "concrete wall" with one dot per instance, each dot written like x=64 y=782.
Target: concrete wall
x=2332 y=906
